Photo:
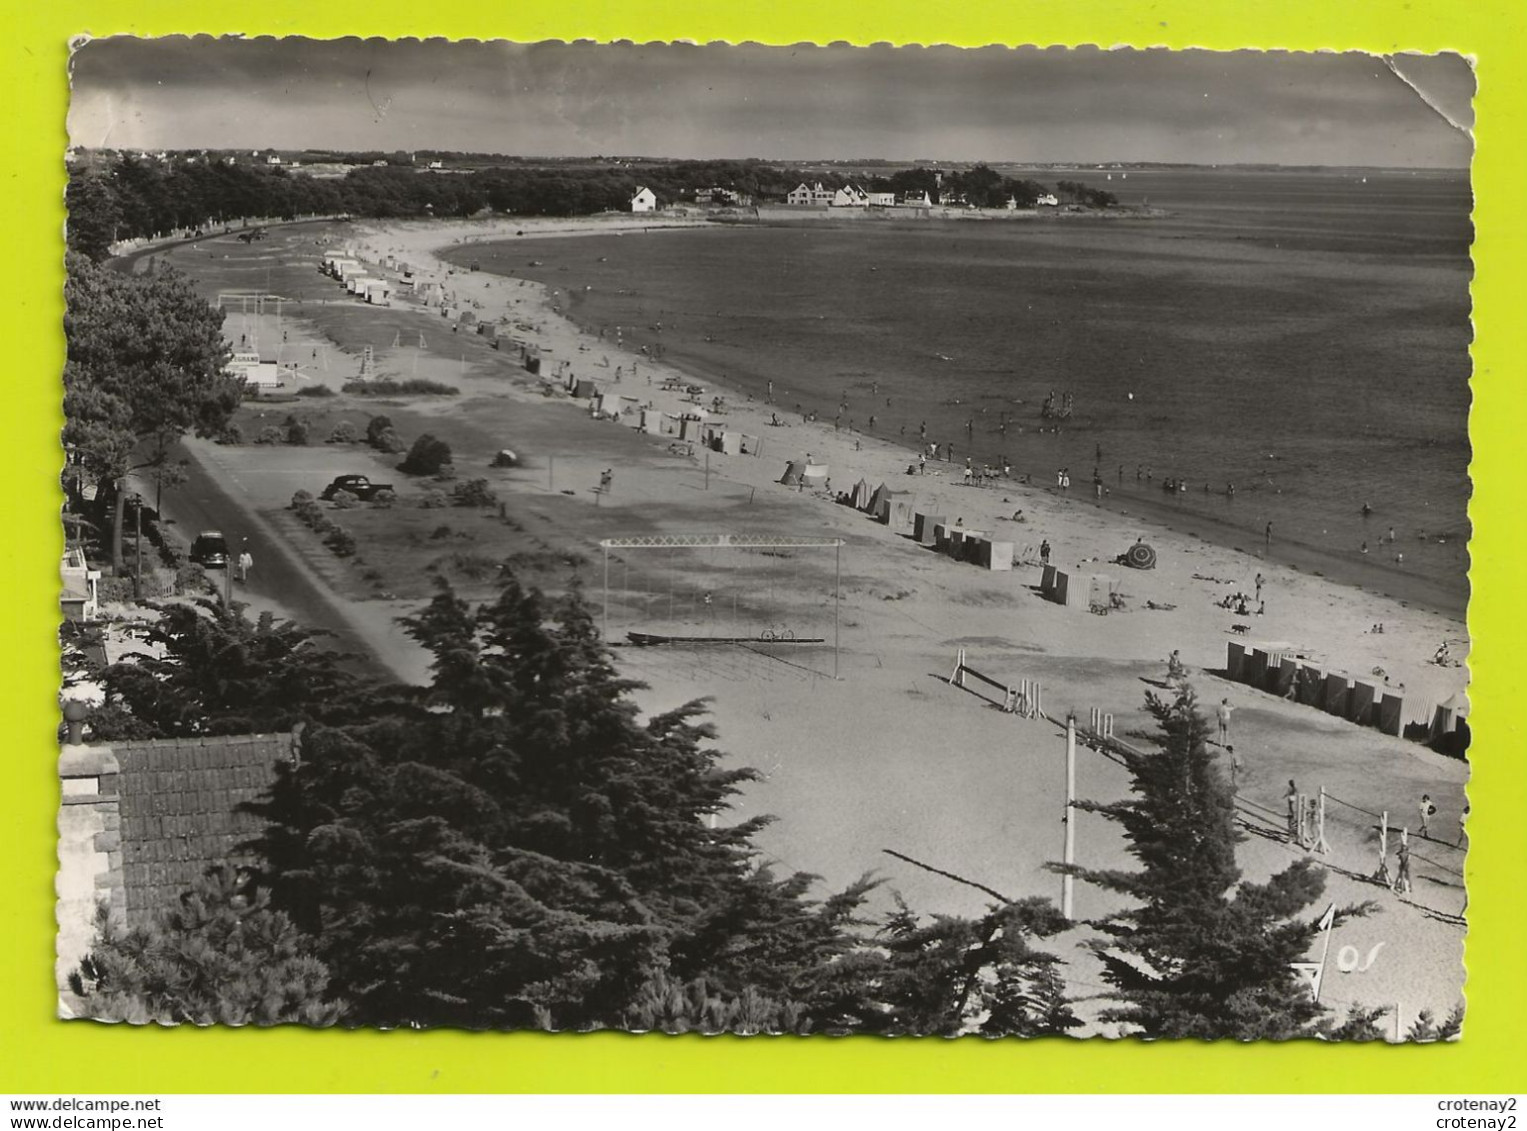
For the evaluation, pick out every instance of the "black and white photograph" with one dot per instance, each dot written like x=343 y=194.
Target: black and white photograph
x=725 y=538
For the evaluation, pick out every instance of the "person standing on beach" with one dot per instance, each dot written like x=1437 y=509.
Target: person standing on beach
x=1292 y=798
x=968 y=471
x=1044 y=552
x=1223 y=715
x=1268 y=535
x=922 y=463
x=1259 y=587
x=1427 y=810
x=1402 y=870
x=771 y=392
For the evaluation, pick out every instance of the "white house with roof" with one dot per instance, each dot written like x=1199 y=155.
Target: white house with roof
x=809 y=194
x=273 y=159
x=1049 y=200
x=917 y=200
x=644 y=200
x=850 y=196
x=881 y=199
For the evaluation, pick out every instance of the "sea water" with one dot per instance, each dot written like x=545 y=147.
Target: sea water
x=1302 y=336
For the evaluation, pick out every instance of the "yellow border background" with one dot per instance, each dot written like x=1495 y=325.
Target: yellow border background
x=43 y=1055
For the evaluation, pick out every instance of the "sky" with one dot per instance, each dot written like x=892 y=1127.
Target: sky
x=802 y=103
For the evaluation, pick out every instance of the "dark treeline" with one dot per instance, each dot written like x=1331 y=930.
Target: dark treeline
x=136 y=198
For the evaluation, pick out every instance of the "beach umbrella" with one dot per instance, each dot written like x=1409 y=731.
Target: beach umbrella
x=1140 y=556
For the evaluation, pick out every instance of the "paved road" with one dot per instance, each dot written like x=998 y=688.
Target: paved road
x=214 y=499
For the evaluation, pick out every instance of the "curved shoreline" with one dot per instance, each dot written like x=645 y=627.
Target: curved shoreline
x=1368 y=575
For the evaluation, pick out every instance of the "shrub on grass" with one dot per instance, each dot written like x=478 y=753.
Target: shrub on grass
x=270 y=434
x=387 y=387
x=315 y=391
x=384 y=498
x=231 y=434
x=301 y=499
x=344 y=500
x=440 y=532
x=190 y=577
x=427 y=457
x=341 y=541
x=430 y=500
x=473 y=493
x=297 y=432
x=390 y=442
x=375 y=427
x=344 y=433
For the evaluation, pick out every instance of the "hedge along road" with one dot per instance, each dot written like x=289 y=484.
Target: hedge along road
x=228 y=488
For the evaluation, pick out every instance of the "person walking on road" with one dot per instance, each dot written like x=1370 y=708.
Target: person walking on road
x=245 y=564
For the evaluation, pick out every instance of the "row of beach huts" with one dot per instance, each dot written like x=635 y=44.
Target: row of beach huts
x=352 y=273
x=1277 y=669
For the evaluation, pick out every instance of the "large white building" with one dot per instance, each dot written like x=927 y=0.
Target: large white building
x=809 y=194
x=644 y=200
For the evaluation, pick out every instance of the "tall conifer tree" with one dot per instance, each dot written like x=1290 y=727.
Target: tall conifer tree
x=1199 y=952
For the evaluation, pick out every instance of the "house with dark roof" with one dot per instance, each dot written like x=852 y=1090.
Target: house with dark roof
x=140 y=821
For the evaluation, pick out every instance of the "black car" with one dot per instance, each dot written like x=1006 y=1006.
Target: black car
x=210 y=550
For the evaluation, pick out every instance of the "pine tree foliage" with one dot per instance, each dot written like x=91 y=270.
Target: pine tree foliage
x=210 y=669
x=222 y=957
x=144 y=366
x=950 y=976
x=1426 y=1028
x=1199 y=952
x=527 y=850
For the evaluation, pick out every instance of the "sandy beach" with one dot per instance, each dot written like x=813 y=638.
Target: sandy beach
x=889 y=754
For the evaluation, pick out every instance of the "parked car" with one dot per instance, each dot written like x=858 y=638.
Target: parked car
x=358 y=485
x=210 y=550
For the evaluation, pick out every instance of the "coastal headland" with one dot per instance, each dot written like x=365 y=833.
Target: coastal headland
x=867 y=745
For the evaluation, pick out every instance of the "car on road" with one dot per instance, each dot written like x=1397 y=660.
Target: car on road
x=358 y=485
x=210 y=550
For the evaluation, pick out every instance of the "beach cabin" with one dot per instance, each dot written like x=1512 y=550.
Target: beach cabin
x=378 y=292
x=644 y=200
x=356 y=284
x=1309 y=686
x=997 y=556
x=1334 y=697
x=892 y=508
x=859 y=497
x=1235 y=660
x=1360 y=702
x=923 y=526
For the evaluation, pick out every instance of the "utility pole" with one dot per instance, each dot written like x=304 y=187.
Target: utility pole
x=1067 y=880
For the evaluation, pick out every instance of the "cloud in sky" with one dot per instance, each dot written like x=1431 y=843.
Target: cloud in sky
x=788 y=103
